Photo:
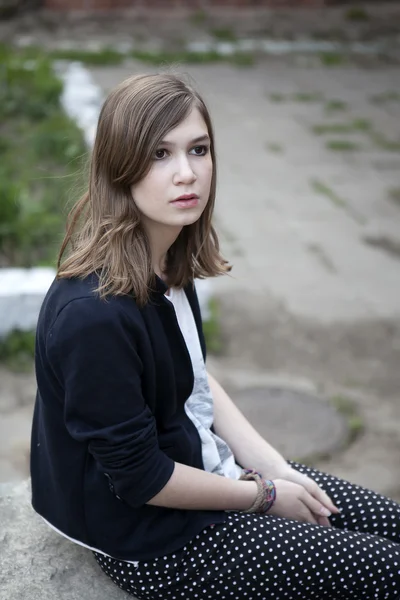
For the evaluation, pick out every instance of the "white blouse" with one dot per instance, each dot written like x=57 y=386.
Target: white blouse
x=199 y=407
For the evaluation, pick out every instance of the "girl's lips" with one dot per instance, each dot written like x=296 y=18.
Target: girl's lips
x=188 y=203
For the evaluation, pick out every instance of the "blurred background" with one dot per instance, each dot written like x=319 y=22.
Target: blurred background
x=305 y=98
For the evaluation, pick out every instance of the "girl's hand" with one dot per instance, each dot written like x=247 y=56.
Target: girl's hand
x=293 y=501
x=312 y=488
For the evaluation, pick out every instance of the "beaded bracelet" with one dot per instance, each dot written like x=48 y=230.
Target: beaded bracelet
x=266 y=492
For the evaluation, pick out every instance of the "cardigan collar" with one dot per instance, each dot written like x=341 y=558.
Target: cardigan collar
x=161 y=286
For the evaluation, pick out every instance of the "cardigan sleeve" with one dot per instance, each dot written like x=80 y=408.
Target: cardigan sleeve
x=92 y=347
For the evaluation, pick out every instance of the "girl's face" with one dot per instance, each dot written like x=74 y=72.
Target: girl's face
x=182 y=167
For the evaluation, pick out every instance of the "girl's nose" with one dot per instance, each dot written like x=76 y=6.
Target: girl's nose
x=184 y=172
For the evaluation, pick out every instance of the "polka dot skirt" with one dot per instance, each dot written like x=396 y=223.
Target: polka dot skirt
x=265 y=557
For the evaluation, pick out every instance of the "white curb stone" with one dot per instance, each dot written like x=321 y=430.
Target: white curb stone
x=21 y=296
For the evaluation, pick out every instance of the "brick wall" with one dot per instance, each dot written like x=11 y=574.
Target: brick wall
x=90 y=5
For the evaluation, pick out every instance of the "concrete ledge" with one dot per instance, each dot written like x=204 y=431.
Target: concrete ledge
x=38 y=564
x=21 y=296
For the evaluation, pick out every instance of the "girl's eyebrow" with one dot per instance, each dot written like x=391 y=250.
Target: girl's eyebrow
x=201 y=138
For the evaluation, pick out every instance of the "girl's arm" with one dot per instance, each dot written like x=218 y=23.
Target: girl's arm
x=250 y=449
x=194 y=489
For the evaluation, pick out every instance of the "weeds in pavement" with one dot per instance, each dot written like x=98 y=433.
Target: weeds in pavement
x=348 y=409
x=212 y=329
x=307 y=97
x=17 y=350
x=356 y=13
x=105 y=56
x=243 y=59
x=277 y=97
x=357 y=125
x=335 y=106
x=321 y=188
x=224 y=34
x=332 y=59
x=385 y=243
x=322 y=256
x=384 y=97
x=161 y=58
x=199 y=17
x=303 y=97
x=385 y=143
x=275 y=147
x=109 y=56
x=342 y=145
x=394 y=194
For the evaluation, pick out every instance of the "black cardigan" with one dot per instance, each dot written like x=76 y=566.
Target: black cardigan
x=109 y=419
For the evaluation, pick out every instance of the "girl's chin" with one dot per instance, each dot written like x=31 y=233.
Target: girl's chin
x=187 y=219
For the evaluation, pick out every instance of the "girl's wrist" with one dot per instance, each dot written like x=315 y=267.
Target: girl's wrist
x=266 y=492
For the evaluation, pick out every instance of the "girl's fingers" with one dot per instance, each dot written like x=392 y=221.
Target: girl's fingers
x=323 y=521
x=325 y=500
x=318 y=493
x=314 y=505
x=307 y=516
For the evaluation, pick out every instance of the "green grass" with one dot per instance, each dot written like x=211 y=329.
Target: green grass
x=347 y=408
x=277 y=97
x=355 y=427
x=212 y=329
x=42 y=154
x=198 y=18
x=332 y=59
x=302 y=97
x=335 y=105
x=307 y=97
x=224 y=34
x=356 y=13
x=162 y=58
x=109 y=56
x=321 y=188
x=275 y=147
x=394 y=194
x=385 y=243
x=105 y=56
x=17 y=350
x=357 y=125
x=342 y=145
x=384 y=97
x=385 y=143
x=158 y=58
x=243 y=59
x=333 y=33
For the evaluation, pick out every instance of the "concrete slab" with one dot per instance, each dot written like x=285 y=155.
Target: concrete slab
x=299 y=424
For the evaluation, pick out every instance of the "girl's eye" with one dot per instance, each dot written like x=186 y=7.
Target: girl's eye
x=200 y=150
x=159 y=154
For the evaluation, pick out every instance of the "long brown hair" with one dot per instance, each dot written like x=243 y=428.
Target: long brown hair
x=104 y=232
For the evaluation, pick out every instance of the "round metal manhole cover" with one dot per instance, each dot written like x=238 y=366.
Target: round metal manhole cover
x=296 y=423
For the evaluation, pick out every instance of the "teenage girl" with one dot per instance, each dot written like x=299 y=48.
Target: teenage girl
x=137 y=452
